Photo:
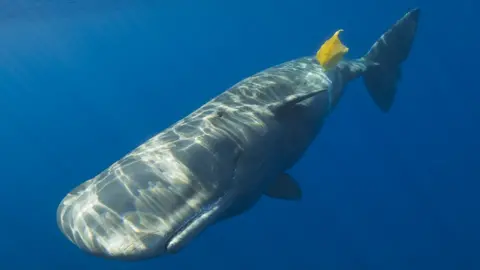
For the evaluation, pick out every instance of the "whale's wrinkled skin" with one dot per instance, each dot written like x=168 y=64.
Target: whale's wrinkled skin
x=218 y=161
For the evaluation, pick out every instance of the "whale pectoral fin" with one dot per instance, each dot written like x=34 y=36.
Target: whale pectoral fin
x=285 y=106
x=285 y=188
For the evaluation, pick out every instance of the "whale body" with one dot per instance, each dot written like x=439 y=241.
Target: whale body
x=217 y=162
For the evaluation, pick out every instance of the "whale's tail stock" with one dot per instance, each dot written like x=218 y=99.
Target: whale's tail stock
x=383 y=61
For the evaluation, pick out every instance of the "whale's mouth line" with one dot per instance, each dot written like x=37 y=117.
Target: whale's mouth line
x=172 y=236
x=196 y=223
x=185 y=225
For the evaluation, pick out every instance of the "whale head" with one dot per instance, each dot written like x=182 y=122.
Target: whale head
x=128 y=212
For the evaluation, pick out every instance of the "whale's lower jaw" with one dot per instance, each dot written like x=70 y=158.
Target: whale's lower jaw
x=193 y=227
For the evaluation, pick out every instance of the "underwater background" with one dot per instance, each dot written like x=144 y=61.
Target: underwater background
x=82 y=83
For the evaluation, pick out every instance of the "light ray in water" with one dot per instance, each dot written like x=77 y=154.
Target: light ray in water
x=32 y=10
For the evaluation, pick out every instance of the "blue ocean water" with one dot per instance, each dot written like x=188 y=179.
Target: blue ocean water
x=83 y=82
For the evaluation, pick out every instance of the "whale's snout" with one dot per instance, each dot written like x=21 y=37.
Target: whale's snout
x=108 y=226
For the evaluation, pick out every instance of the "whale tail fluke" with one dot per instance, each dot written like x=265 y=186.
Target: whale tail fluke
x=385 y=57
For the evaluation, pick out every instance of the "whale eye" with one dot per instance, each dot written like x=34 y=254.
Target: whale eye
x=220 y=113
